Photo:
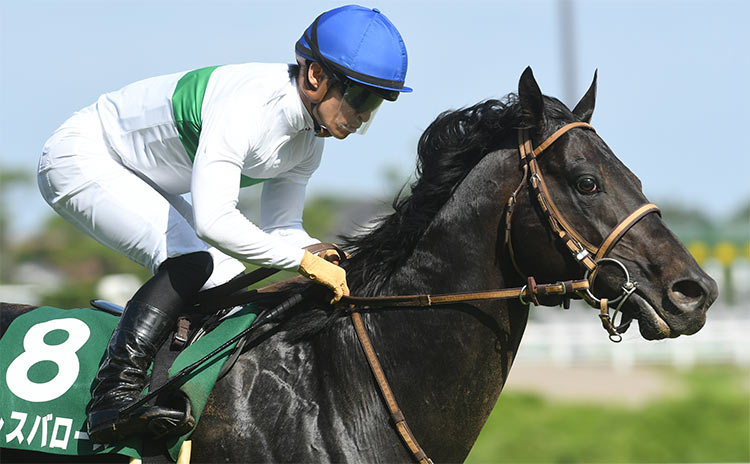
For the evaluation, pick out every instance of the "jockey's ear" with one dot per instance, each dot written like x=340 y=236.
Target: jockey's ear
x=316 y=82
x=530 y=97
x=585 y=108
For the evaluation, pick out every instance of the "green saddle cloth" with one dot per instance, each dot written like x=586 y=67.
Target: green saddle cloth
x=48 y=360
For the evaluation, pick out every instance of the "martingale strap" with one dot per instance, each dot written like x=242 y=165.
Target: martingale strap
x=583 y=251
x=390 y=400
x=531 y=290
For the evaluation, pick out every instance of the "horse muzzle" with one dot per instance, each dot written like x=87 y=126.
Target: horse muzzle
x=676 y=309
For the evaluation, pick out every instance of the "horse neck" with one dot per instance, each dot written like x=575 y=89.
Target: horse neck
x=448 y=364
x=462 y=248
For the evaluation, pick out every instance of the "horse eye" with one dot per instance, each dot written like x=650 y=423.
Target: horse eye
x=587 y=185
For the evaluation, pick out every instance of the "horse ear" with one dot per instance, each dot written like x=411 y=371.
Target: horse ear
x=530 y=97
x=585 y=108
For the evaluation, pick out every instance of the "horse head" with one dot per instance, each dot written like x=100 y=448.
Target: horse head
x=594 y=193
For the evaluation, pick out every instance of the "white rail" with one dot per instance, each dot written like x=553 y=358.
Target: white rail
x=565 y=339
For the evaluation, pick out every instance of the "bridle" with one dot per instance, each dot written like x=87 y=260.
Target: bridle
x=590 y=257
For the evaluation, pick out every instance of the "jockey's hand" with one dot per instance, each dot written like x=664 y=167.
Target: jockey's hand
x=332 y=256
x=321 y=271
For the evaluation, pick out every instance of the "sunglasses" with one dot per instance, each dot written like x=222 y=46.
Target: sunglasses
x=362 y=98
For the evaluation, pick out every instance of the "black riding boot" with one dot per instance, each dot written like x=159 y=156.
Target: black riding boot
x=144 y=326
x=122 y=375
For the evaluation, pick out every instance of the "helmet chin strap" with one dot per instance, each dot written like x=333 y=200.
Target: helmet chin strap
x=319 y=129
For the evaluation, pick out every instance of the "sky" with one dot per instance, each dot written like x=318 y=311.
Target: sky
x=672 y=91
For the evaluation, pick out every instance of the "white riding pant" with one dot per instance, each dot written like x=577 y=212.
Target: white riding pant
x=81 y=178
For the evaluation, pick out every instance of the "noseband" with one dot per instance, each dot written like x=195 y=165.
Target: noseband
x=590 y=257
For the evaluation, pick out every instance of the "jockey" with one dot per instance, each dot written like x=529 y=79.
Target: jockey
x=118 y=169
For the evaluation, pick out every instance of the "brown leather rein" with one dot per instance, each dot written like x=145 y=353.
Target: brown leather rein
x=588 y=255
x=581 y=249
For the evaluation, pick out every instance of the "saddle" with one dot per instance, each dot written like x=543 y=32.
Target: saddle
x=166 y=411
x=176 y=396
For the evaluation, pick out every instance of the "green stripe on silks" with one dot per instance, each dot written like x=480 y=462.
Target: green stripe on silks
x=49 y=360
x=187 y=104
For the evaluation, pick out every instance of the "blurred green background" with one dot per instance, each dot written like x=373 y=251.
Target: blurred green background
x=671 y=103
x=571 y=397
x=703 y=418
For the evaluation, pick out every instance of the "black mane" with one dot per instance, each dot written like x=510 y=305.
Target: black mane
x=448 y=149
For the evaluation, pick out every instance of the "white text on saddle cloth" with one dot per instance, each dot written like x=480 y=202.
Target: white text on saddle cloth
x=43 y=431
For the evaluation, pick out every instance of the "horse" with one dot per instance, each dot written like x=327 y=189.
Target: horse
x=304 y=391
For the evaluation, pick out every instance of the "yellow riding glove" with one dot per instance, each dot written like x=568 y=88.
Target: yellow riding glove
x=321 y=271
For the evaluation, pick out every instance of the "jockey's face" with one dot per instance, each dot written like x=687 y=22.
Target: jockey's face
x=340 y=108
x=339 y=116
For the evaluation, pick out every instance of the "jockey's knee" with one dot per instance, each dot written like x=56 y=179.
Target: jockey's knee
x=193 y=268
x=177 y=281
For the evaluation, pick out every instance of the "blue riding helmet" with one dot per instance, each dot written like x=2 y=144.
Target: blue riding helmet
x=360 y=43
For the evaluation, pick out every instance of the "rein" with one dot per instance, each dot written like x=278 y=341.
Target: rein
x=590 y=257
x=587 y=255
x=578 y=246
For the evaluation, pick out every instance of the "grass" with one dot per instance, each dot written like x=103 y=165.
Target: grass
x=708 y=422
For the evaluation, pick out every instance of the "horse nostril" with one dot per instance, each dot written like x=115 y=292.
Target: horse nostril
x=687 y=294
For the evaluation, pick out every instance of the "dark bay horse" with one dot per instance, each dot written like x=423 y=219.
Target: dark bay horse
x=306 y=394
